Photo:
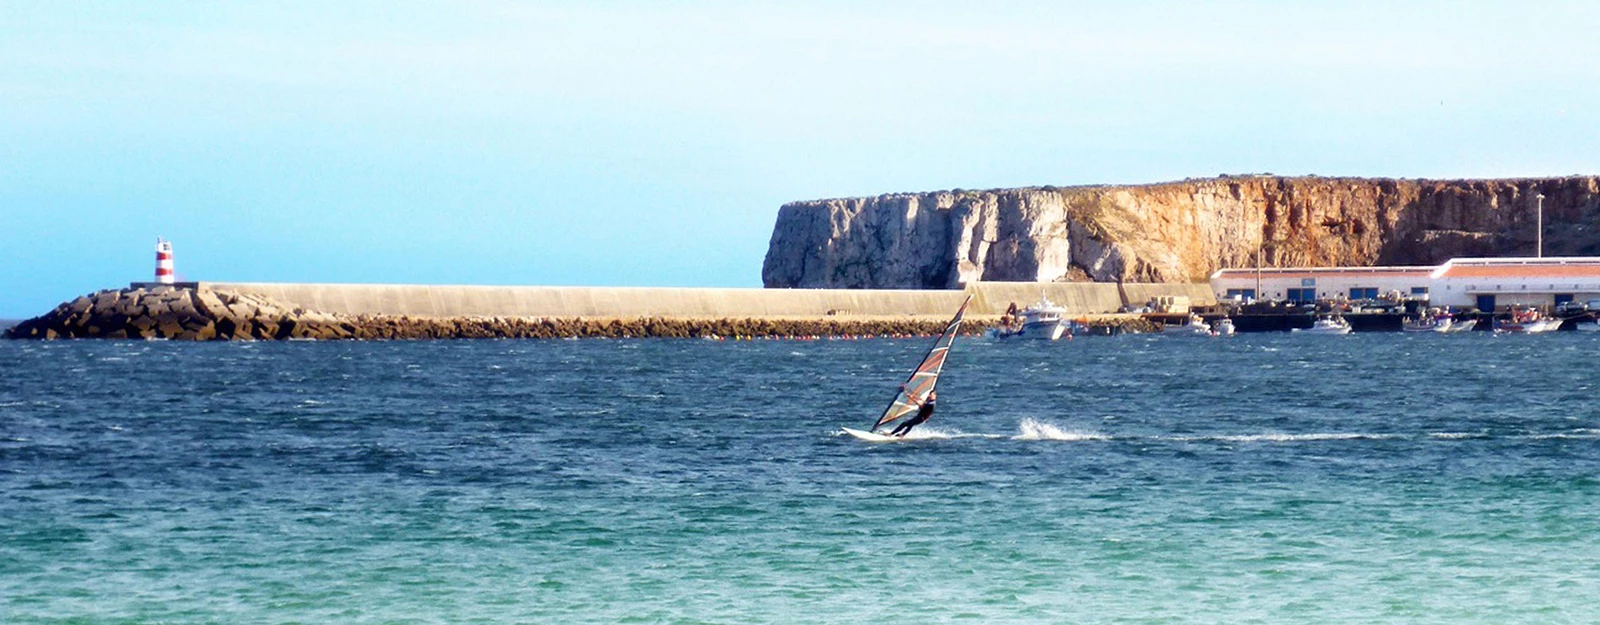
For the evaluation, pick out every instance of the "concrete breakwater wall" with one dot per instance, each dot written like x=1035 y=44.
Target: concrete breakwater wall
x=989 y=298
x=208 y=311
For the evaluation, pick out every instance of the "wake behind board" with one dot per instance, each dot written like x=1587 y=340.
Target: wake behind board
x=872 y=437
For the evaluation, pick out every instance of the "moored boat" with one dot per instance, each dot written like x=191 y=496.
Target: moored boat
x=1430 y=322
x=1193 y=326
x=1527 y=321
x=1326 y=325
x=1042 y=321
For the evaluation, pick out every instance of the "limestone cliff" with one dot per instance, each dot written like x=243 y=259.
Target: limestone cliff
x=1170 y=232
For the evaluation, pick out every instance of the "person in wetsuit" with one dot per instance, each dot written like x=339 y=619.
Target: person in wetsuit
x=924 y=411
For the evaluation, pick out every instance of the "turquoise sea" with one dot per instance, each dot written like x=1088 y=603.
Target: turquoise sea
x=1270 y=478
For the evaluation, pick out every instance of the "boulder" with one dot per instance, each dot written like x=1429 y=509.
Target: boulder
x=264 y=329
x=227 y=328
x=183 y=305
x=104 y=302
x=130 y=307
x=208 y=304
x=168 y=329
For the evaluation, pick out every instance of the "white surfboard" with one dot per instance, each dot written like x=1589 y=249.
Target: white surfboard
x=873 y=437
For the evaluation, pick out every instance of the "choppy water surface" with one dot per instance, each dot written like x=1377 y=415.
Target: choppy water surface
x=1258 y=479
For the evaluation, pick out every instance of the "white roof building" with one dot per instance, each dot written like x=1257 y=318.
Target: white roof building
x=1482 y=283
x=1485 y=283
x=1320 y=283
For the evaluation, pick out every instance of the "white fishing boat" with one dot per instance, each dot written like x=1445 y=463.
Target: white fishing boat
x=1042 y=321
x=1429 y=323
x=916 y=389
x=1326 y=325
x=1526 y=322
x=1194 y=326
x=1223 y=327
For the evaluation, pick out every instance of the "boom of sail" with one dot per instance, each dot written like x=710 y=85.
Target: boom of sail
x=925 y=376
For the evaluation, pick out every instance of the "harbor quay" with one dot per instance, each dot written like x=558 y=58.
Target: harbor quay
x=282 y=311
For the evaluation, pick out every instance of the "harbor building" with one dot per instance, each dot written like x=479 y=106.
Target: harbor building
x=1491 y=283
x=1305 y=285
x=1483 y=283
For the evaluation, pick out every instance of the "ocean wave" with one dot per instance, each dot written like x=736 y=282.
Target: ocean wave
x=1584 y=434
x=1457 y=435
x=928 y=433
x=1294 y=438
x=1034 y=430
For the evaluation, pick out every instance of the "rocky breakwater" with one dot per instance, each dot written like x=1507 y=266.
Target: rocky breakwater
x=165 y=312
x=1175 y=232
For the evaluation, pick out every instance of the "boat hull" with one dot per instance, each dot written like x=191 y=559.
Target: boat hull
x=1042 y=330
x=1325 y=327
x=1441 y=325
x=1531 y=327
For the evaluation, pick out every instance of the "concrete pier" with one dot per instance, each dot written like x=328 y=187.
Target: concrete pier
x=989 y=298
x=249 y=311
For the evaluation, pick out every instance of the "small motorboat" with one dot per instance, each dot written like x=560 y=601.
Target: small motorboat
x=1527 y=321
x=1041 y=321
x=1223 y=327
x=1194 y=326
x=1429 y=323
x=1326 y=325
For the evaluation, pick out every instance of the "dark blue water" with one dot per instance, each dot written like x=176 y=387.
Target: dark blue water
x=1258 y=479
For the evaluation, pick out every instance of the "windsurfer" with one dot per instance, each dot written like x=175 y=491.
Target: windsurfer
x=924 y=410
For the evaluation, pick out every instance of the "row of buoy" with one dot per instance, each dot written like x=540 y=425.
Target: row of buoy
x=813 y=337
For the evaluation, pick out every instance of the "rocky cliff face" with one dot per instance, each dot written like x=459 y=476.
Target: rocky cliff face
x=1171 y=232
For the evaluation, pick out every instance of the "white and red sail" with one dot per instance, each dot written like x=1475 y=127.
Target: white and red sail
x=926 y=375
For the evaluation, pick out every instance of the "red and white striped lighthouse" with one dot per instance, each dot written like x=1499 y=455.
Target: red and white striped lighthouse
x=164 y=261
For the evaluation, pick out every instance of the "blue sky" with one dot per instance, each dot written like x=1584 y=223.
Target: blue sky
x=651 y=143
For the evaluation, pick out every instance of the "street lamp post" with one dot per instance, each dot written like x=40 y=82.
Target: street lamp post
x=1538 y=236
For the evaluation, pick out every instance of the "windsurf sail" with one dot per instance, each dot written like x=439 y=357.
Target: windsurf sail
x=925 y=376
